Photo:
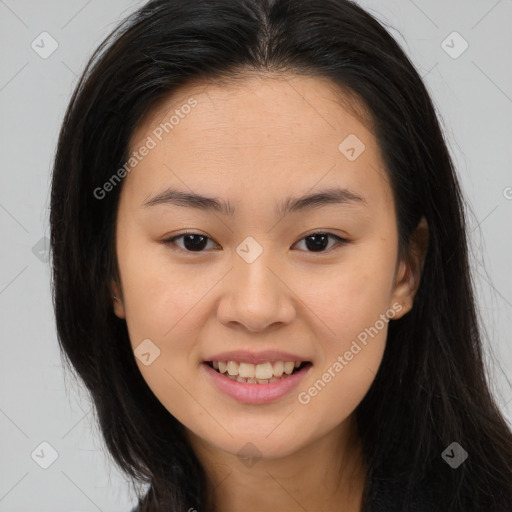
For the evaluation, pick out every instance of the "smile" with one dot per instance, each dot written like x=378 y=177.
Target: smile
x=281 y=377
x=257 y=373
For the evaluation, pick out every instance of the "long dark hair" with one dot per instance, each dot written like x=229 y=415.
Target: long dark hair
x=431 y=389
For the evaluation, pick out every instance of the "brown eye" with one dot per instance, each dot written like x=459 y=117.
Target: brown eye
x=197 y=242
x=192 y=242
x=319 y=241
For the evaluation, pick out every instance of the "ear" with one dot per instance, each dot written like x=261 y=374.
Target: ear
x=409 y=269
x=117 y=303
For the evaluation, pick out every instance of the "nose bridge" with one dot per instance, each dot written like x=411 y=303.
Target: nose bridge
x=255 y=295
x=253 y=270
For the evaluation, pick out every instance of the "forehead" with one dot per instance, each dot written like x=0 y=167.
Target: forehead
x=261 y=104
x=254 y=133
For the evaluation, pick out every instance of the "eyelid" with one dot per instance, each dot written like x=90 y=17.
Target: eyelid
x=169 y=241
x=341 y=241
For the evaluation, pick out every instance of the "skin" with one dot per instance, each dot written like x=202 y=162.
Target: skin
x=254 y=143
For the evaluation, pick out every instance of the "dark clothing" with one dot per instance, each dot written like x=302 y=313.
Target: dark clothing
x=384 y=499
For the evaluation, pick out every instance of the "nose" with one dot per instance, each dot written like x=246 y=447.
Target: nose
x=256 y=295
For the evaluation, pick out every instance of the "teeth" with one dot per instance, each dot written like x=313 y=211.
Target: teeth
x=264 y=371
x=232 y=367
x=247 y=371
x=288 y=367
x=278 y=368
x=256 y=373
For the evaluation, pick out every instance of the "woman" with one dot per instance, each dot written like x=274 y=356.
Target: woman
x=237 y=359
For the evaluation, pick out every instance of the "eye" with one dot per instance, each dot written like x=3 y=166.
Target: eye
x=196 y=242
x=319 y=240
x=193 y=242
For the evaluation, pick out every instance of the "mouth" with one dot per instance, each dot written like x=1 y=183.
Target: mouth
x=256 y=384
x=263 y=373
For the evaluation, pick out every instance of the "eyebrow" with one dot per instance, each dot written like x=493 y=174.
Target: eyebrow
x=333 y=195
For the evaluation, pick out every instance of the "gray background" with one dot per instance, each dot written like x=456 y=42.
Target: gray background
x=472 y=92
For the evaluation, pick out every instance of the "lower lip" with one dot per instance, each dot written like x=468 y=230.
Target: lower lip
x=256 y=393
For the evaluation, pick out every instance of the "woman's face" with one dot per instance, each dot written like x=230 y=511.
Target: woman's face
x=257 y=282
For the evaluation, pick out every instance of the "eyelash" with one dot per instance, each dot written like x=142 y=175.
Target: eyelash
x=171 y=244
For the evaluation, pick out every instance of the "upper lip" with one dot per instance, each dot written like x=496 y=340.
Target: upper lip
x=246 y=356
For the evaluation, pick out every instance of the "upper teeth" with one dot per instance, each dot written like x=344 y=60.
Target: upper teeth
x=256 y=371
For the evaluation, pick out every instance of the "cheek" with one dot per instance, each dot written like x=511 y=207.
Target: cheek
x=162 y=304
x=337 y=303
x=351 y=295
x=345 y=296
x=355 y=313
x=353 y=304
x=158 y=296
x=340 y=384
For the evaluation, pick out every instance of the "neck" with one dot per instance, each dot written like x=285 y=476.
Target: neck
x=327 y=475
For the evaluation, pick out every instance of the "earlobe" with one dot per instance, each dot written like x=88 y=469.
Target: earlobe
x=117 y=299
x=410 y=269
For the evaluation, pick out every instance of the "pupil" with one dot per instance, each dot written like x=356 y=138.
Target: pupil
x=194 y=246
x=316 y=242
x=321 y=243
